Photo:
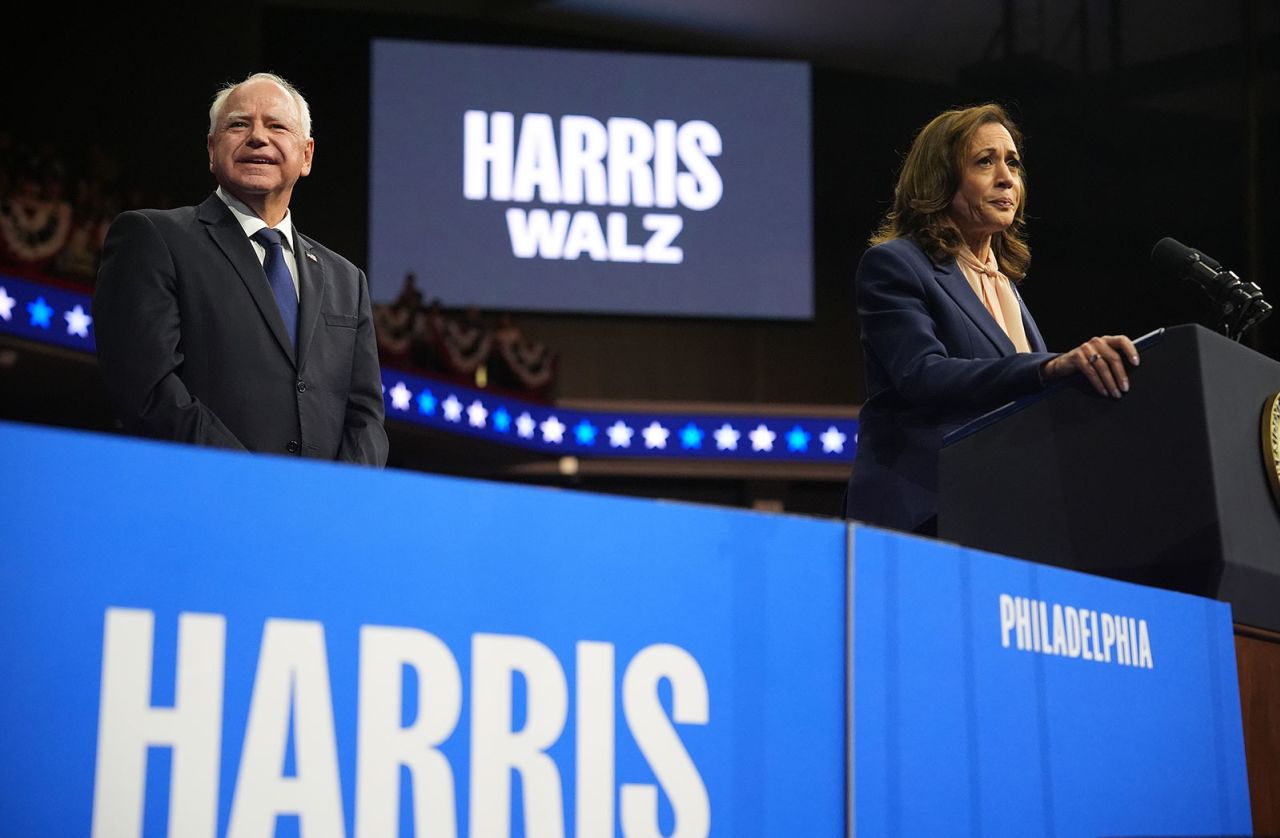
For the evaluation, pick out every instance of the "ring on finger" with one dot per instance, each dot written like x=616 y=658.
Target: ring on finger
x=1094 y=357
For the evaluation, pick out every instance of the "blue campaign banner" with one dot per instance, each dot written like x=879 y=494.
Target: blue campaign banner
x=196 y=642
x=999 y=697
x=199 y=643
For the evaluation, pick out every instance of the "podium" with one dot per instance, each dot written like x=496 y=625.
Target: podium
x=1166 y=486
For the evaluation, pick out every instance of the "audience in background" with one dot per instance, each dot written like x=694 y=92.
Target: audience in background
x=55 y=209
x=465 y=348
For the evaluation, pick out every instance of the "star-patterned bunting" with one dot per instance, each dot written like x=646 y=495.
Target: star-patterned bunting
x=619 y=434
x=727 y=437
x=525 y=425
x=832 y=440
x=798 y=439
x=40 y=313
x=78 y=322
x=585 y=433
x=400 y=396
x=691 y=436
x=552 y=430
x=655 y=436
x=408 y=398
x=762 y=438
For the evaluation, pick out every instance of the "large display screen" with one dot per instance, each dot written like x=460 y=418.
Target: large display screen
x=563 y=180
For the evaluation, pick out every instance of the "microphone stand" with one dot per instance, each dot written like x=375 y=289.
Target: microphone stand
x=1240 y=304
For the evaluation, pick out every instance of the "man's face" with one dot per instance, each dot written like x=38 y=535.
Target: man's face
x=257 y=149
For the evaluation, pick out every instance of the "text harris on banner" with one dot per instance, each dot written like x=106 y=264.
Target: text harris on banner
x=292 y=702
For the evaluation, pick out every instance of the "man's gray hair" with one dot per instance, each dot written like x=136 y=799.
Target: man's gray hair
x=220 y=100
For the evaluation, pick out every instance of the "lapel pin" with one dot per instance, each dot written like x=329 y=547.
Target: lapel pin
x=312 y=257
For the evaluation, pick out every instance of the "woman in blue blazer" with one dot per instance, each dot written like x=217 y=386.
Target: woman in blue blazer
x=945 y=335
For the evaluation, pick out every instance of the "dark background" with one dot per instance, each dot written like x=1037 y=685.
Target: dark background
x=1119 y=154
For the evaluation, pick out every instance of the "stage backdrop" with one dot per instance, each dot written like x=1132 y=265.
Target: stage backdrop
x=565 y=180
x=202 y=643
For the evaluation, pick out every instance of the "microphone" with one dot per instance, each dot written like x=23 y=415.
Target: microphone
x=1240 y=303
x=1185 y=262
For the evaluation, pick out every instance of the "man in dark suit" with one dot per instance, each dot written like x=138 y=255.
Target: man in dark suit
x=221 y=324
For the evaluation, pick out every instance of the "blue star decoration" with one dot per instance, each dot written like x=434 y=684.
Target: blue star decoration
x=797 y=439
x=501 y=420
x=40 y=313
x=585 y=432
x=691 y=436
x=426 y=403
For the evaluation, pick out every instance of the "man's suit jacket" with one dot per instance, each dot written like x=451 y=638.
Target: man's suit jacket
x=935 y=358
x=193 y=348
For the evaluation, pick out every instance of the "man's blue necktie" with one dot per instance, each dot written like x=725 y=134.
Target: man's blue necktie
x=280 y=278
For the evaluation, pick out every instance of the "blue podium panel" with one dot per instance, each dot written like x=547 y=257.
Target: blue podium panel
x=200 y=643
x=995 y=697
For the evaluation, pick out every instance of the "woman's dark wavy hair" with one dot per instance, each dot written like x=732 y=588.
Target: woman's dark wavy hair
x=928 y=182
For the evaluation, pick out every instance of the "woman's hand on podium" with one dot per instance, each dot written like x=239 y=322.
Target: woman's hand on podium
x=1099 y=359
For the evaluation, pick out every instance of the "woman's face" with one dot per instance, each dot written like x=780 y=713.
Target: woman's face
x=990 y=184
